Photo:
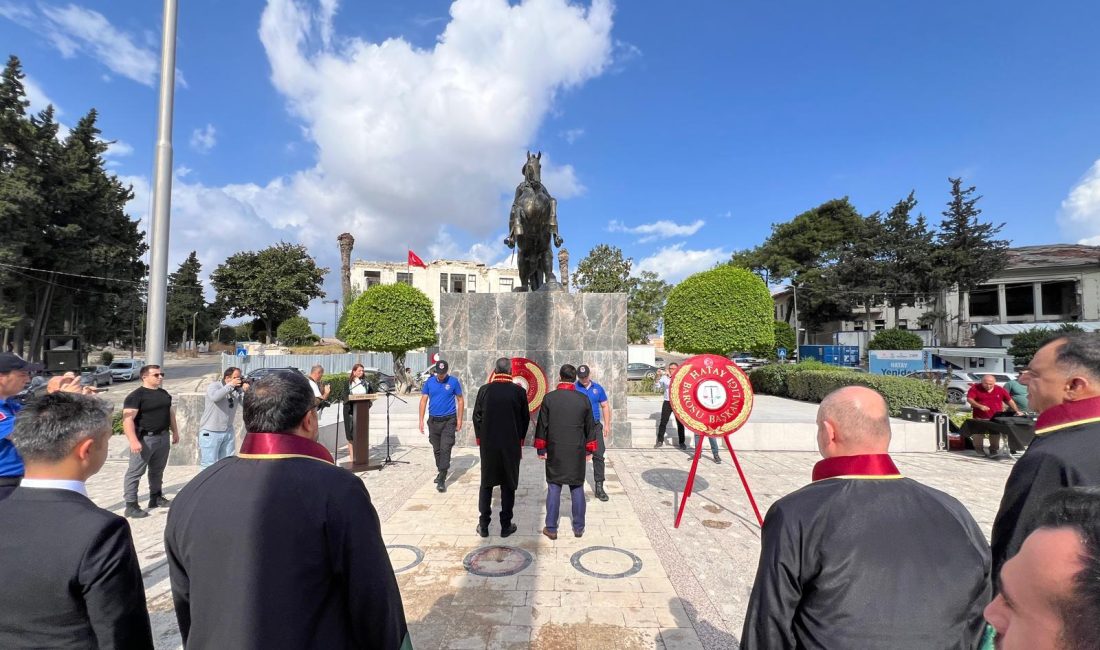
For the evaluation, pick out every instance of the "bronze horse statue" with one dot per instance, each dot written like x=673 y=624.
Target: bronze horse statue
x=533 y=221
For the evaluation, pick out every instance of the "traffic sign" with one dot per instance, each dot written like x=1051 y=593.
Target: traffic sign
x=782 y=354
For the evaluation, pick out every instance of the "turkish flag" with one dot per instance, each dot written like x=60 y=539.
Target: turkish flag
x=416 y=261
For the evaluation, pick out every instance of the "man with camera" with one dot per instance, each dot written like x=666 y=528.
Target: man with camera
x=320 y=392
x=216 y=440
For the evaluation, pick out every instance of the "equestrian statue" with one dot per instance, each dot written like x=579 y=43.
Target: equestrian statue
x=533 y=221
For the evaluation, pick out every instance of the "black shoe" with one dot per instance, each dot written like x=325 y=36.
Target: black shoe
x=158 y=500
x=600 y=494
x=134 y=511
x=683 y=445
x=441 y=486
x=504 y=532
x=717 y=460
x=660 y=443
x=483 y=530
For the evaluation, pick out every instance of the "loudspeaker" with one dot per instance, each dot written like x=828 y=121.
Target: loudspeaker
x=62 y=361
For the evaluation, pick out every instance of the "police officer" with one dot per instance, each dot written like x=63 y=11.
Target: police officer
x=601 y=413
x=442 y=395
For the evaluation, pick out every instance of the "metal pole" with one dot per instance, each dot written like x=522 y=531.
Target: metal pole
x=194 y=333
x=797 y=325
x=162 y=192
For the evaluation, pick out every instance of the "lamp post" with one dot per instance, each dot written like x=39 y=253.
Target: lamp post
x=335 y=314
x=194 y=335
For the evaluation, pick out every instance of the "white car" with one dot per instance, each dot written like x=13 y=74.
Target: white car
x=959 y=382
x=126 y=369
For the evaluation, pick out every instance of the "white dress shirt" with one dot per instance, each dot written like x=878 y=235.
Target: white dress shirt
x=55 y=483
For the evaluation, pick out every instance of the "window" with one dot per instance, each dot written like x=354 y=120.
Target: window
x=1019 y=300
x=372 y=278
x=880 y=324
x=857 y=326
x=458 y=283
x=506 y=284
x=443 y=286
x=983 y=302
x=404 y=278
x=903 y=323
x=471 y=284
x=1060 y=298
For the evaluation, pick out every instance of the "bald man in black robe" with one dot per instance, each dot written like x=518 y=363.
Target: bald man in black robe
x=863 y=557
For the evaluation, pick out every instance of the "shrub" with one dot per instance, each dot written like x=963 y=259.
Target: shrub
x=784 y=338
x=895 y=339
x=727 y=309
x=116 y=422
x=338 y=386
x=770 y=379
x=106 y=357
x=814 y=385
x=295 y=331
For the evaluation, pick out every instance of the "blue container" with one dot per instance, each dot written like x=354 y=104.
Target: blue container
x=834 y=355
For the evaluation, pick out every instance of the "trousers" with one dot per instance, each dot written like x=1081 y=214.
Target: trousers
x=154 y=457
x=597 y=456
x=666 y=411
x=441 y=433
x=507 y=503
x=553 y=506
x=214 y=446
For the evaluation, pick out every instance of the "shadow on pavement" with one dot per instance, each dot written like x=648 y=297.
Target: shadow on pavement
x=673 y=479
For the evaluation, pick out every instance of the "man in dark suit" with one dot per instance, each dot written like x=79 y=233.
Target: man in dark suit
x=278 y=547
x=564 y=433
x=69 y=571
x=501 y=417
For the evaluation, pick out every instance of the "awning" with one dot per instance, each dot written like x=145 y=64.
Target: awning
x=987 y=353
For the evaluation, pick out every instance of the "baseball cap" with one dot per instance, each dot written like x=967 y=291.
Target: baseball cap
x=441 y=366
x=9 y=362
x=583 y=371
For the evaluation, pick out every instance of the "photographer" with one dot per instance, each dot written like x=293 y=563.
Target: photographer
x=320 y=393
x=216 y=440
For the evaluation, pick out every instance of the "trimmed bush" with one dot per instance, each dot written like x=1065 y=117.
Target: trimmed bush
x=106 y=357
x=339 y=386
x=116 y=423
x=895 y=339
x=814 y=385
x=727 y=309
x=771 y=379
x=295 y=331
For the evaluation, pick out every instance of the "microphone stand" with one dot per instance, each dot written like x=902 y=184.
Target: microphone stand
x=389 y=461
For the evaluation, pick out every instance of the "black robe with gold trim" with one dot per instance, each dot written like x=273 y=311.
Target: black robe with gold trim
x=279 y=548
x=500 y=418
x=864 y=558
x=1064 y=453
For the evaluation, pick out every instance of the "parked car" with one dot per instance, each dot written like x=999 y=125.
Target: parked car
x=126 y=369
x=641 y=371
x=746 y=363
x=257 y=373
x=96 y=376
x=959 y=382
x=383 y=382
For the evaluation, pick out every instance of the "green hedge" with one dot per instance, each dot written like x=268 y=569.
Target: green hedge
x=116 y=422
x=339 y=385
x=813 y=384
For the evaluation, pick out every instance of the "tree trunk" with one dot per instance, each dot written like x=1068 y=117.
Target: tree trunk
x=963 y=332
x=400 y=376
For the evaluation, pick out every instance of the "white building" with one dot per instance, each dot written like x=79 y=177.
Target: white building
x=1052 y=283
x=441 y=276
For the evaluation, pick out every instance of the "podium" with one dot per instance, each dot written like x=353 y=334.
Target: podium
x=360 y=443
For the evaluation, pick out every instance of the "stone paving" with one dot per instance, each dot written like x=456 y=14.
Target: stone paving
x=684 y=588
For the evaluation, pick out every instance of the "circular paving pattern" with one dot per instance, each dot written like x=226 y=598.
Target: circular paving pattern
x=635 y=567
x=497 y=561
x=418 y=556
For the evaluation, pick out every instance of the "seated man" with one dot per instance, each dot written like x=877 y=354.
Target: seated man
x=863 y=557
x=70 y=573
x=988 y=399
x=1049 y=590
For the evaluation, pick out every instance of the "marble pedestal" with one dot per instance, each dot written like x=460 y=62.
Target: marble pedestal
x=551 y=328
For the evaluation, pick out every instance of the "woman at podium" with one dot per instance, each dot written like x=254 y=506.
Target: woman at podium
x=357 y=385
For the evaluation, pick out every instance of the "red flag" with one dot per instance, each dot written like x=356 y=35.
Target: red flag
x=416 y=261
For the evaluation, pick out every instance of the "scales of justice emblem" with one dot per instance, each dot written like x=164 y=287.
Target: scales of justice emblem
x=713 y=398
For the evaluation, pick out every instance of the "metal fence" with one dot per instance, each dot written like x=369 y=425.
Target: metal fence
x=332 y=363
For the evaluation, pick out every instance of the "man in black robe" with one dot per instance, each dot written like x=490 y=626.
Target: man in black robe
x=277 y=547
x=863 y=557
x=565 y=432
x=1063 y=385
x=501 y=417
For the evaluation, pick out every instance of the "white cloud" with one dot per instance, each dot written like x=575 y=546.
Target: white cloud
x=572 y=135
x=673 y=263
x=74 y=29
x=663 y=229
x=203 y=139
x=1081 y=209
x=38 y=98
x=118 y=149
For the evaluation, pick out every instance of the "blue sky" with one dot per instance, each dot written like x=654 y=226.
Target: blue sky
x=677 y=131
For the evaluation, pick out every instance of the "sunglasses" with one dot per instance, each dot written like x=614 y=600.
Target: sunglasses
x=157 y=374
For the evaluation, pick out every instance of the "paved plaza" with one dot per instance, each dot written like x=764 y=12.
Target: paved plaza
x=632 y=581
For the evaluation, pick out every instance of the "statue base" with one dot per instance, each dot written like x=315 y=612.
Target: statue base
x=550 y=327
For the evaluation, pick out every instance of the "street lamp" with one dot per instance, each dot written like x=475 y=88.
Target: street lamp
x=194 y=335
x=335 y=314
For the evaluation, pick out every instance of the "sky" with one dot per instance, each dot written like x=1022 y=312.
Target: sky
x=679 y=132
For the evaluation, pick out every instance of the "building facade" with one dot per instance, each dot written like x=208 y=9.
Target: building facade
x=1040 y=284
x=441 y=276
